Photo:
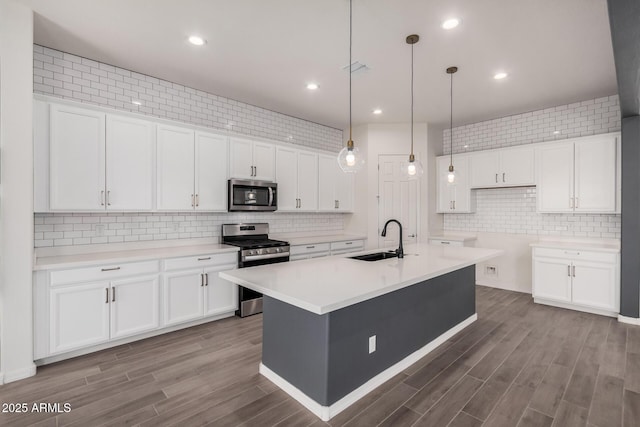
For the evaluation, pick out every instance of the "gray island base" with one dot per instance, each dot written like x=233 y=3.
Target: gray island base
x=323 y=360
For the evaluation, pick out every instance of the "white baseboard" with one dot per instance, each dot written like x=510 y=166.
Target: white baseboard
x=18 y=374
x=325 y=413
x=628 y=320
x=570 y=306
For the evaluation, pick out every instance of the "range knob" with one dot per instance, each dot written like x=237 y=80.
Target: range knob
x=278 y=249
x=252 y=252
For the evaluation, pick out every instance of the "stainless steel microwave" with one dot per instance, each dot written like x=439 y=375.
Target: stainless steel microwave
x=249 y=195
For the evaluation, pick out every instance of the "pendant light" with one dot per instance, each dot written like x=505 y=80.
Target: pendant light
x=412 y=169
x=349 y=158
x=451 y=176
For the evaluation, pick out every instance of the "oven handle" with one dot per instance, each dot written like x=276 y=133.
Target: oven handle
x=270 y=196
x=266 y=256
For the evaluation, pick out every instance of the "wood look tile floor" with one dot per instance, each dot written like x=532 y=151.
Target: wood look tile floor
x=521 y=364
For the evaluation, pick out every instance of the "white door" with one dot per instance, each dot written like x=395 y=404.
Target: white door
x=77 y=159
x=287 y=178
x=221 y=296
x=344 y=189
x=130 y=163
x=264 y=161
x=595 y=175
x=594 y=285
x=552 y=279
x=211 y=172
x=517 y=166
x=240 y=158
x=398 y=199
x=135 y=306
x=307 y=181
x=461 y=192
x=79 y=316
x=327 y=183
x=175 y=168
x=484 y=169
x=554 y=178
x=183 y=296
x=446 y=193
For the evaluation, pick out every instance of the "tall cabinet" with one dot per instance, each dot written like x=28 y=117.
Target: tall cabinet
x=297 y=178
x=456 y=198
x=335 y=188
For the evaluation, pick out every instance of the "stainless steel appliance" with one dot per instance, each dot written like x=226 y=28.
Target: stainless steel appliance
x=249 y=195
x=255 y=249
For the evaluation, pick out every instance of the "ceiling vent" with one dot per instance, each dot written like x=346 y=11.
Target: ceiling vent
x=357 y=67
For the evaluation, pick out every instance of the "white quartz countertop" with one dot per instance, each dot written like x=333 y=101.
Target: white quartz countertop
x=608 y=246
x=322 y=285
x=453 y=238
x=310 y=240
x=132 y=255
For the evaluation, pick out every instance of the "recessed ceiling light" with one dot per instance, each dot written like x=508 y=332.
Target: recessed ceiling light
x=312 y=86
x=451 y=23
x=198 y=41
x=500 y=76
x=377 y=111
x=136 y=102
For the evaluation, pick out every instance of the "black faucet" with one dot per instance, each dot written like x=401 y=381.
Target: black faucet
x=399 y=251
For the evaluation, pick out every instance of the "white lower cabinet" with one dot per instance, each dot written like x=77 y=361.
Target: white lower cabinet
x=135 y=306
x=581 y=279
x=318 y=250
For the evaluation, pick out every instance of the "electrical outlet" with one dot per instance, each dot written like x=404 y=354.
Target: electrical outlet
x=490 y=270
x=372 y=344
x=99 y=230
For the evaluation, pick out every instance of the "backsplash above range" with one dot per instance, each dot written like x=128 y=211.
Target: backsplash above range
x=513 y=210
x=57 y=229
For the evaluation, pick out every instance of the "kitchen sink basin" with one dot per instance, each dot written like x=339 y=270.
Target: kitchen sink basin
x=377 y=256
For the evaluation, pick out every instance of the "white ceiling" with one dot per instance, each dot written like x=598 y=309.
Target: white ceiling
x=264 y=52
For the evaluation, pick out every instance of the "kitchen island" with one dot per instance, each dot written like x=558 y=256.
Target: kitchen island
x=335 y=328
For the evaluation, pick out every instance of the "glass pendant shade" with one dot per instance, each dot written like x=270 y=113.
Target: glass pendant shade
x=412 y=169
x=350 y=160
x=452 y=176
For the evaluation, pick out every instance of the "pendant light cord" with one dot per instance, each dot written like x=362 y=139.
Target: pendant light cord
x=350 y=43
x=412 y=100
x=451 y=122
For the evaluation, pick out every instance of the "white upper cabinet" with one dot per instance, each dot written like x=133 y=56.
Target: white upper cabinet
x=251 y=159
x=506 y=167
x=130 y=163
x=175 y=164
x=456 y=198
x=211 y=172
x=578 y=175
x=77 y=159
x=297 y=178
x=335 y=188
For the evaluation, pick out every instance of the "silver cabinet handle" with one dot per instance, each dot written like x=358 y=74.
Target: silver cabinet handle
x=193 y=200
x=577 y=202
x=111 y=269
x=107 y=298
x=335 y=204
x=496 y=178
x=113 y=294
x=445 y=242
x=574 y=271
x=206 y=279
x=255 y=171
x=569 y=270
x=411 y=235
x=503 y=174
x=349 y=243
x=197 y=200
x=454 y=205
x=300 y=206
x=338 y=203
x=108 y=198
x=102 y=198
x=204 y=259
x=310 y=247
x=201 y=279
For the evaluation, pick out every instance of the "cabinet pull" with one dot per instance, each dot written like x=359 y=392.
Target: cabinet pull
x=574 y=270
x=444 y=242
x=572 y=252
x=454 y=205
x=503 y=175
x=197 y=200
x=300 y=206
x=206 y=279
x=193 y=201
x=496 y=178
x=349 y=243
x=102 y=198
x=338 y=203
x=109 y=198
x=335 y=204
x=569 y=270
x=107 y=298
x=577 y=202
x=571 y=202
x=113 y=294
x=111 y=269
x=204 y=259
x=201 y=279
x=310 y=247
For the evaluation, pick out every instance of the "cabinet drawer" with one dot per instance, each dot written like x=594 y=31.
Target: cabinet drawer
x=576 y=254
x=103 y=272
x=200 y=261
x=442 y=242
x=350 y=245
x=309 y=249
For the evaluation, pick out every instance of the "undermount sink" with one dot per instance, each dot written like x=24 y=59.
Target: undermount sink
x=377 y=256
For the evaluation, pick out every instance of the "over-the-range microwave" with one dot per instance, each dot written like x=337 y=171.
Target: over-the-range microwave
x=249 y=195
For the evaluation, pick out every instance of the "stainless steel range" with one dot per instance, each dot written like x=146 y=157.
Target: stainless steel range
x=255 y=249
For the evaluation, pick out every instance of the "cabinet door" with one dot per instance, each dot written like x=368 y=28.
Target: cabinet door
x=130 y=163
x=135 y=306
x=264 y=161
x=77 y=159
x=461 y=191
x=327 y=183
x=595 y=175
x=183 y=296
x=517 y=166
x=484 y=170
x=554 y=178
x=79 y=316
x=551 y=279
x=221 y=296
x=307 y=181
x=175 y=168
x=445 y=191
x=344 y=189
x=211 y=172
x=240 y=158
x=594 y=285
x=287 y=178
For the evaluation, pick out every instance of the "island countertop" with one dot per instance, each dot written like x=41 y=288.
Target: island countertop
x=322 y=285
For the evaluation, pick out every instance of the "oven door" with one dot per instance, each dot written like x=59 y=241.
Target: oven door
x=250 y=301
x=247 y=195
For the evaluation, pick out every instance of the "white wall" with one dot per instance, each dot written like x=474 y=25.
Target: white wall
x=16 y=191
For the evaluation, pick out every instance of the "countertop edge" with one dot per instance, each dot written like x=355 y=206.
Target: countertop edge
x=595 y=247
